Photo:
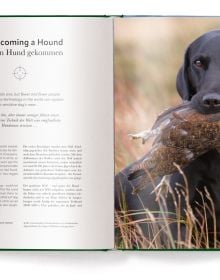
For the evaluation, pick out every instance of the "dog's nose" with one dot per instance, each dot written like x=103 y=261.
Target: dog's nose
x=211 y=100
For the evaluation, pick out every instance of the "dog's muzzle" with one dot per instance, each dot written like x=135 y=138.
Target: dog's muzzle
x=208 y=103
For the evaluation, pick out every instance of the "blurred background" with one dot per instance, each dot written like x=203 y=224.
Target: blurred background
x=148 y=55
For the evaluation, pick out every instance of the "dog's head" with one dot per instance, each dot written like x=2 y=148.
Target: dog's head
x=199 y=77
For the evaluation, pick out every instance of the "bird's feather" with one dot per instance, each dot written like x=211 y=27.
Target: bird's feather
x=182 y=135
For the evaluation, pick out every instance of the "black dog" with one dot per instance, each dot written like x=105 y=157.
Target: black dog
x=199 y=81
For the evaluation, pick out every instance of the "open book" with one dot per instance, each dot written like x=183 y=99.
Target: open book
x=69 y=87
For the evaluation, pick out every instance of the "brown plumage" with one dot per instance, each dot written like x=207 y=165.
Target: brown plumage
x=182 y=134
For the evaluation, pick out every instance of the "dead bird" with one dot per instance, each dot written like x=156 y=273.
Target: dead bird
x=181 y=135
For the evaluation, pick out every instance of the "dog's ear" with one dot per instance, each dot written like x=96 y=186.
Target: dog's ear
x=183 y=83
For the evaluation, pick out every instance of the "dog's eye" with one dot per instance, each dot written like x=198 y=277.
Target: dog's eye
x=198 y=63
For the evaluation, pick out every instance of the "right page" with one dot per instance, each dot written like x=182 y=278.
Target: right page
x=167 y=112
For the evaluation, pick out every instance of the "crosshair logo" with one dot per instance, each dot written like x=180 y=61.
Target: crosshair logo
x=19 y=73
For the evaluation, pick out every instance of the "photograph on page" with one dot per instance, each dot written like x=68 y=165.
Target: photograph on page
x=167 y=129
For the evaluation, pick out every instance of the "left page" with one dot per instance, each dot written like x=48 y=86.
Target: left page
x=56 y=127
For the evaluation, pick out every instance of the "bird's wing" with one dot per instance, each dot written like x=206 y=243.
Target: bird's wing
x=166 y=120
x=167 y=114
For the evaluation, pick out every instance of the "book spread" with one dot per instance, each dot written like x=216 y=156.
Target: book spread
x=110 y=132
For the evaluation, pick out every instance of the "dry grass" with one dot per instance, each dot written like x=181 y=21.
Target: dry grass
x=196 y=226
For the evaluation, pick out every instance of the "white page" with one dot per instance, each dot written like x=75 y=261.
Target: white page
x=56 y=127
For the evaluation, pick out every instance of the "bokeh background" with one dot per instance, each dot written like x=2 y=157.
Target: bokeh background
x=148 y=55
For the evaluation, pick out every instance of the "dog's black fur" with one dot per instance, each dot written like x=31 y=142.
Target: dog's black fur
x=199 y=81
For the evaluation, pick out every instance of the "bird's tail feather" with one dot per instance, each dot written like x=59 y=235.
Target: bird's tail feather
x=136 y=174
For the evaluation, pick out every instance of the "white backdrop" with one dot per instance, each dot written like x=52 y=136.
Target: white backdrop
x=111 y=265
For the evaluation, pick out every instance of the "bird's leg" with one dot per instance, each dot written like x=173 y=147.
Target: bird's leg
x=163 y=187
x=145 y=135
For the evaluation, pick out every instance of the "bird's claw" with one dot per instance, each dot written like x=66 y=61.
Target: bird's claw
x=144 y=135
